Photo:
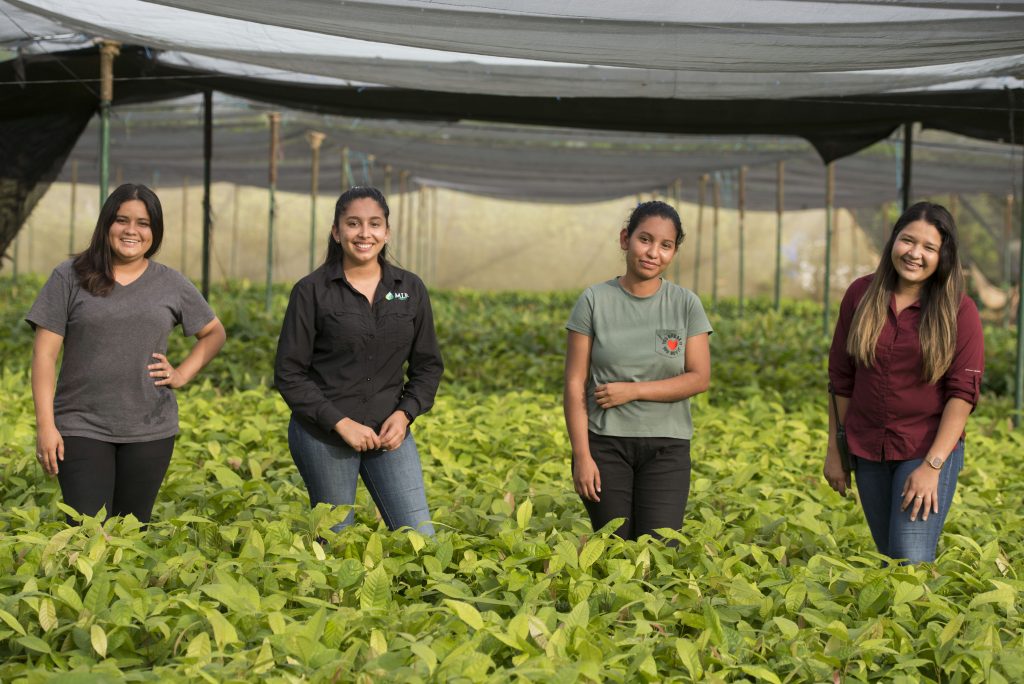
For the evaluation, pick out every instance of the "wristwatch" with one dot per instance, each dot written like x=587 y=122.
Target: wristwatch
x=935 y=462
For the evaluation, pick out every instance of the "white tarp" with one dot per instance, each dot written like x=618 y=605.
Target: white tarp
x=979 y=44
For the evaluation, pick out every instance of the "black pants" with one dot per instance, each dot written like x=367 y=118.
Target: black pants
x=645 y=480
x=123 y=478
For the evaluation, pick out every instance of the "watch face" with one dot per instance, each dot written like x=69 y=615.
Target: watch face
x=935 y=462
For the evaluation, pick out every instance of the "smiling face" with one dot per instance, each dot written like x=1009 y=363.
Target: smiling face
x=915 y=253
x=362 y=231
x=649 y=250
x=130 y=235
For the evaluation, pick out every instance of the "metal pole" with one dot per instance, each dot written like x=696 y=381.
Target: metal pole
x=741 y=201
x=275 y=123
x=908 y=150
x=780 y=203
x=74 y=204
x=702 y=188
x=830 y=179
x=315 y=138
x=716 y=196
x=184 y=223
x=109 y=49
x=207 y=208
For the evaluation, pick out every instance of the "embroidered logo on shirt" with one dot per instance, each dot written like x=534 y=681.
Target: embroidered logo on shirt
x=668 y=342
x=396 y=295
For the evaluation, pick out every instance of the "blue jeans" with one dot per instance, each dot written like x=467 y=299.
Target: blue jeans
x=880 y=484
x=393 y=478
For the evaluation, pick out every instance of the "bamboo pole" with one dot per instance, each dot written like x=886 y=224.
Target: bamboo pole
x=830 y=179
x=716 y=193
x=109 y=49
x=315 y=139
x=741 y=206
x=702 y=188
x=275 y=124
x=780 y=203
x=74 y=206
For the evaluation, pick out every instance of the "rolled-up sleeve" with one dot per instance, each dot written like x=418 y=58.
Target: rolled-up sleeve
x=963 y=379
x=841 y=366
x=294 y=360
x=425 y=363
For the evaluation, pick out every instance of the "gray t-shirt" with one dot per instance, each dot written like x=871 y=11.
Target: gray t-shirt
x=104 y=390
x=636 y=339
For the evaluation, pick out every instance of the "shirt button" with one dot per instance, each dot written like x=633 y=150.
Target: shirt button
x=371 y=336
x=367 y=379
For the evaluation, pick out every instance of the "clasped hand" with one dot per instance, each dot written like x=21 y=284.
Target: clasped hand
x=362 y=438
x=614 y=394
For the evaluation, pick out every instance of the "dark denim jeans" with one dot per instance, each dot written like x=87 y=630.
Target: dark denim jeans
x=645 y=480
x=880 y=485
x=393 y=478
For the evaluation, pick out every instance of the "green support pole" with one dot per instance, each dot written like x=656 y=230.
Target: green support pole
x=346 y=171
x=829 y=195
x=779 y=208
x=108 y=51
x=740 y=202
x=74 y=203
x=1018 y=415
x=207 y=208
x=908 y=164
x=716 y=192
x=275 y=122
x=315 y=138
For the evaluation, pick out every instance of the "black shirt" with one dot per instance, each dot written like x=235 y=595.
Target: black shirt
x=339 y=357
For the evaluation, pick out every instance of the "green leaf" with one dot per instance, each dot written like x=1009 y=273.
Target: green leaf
x=467 y=613
x=788 y=628
x=374 y=552
x=47 y=614
x=199 y=648
x=760 y=673
x=951 y=630
x=523 y=514
x=98 y=638
x=689 y=656
x=224 y=632
x=34 y=643
x=375 y=593
x=425 y=654
x=591 y=551
x=12 y=622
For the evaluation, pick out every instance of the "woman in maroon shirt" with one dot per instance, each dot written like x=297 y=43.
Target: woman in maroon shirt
x=906 y=364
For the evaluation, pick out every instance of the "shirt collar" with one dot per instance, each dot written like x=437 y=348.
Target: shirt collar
x=389 y=275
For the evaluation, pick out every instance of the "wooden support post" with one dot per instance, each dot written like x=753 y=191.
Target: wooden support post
x=109 y=49
x=207 y=202
x=741 y=204
x=74 y=206
x=702 y=188
x=716 y=193
x=275 y=125
x=780 y=203
x=830 y=180
x=315 y=139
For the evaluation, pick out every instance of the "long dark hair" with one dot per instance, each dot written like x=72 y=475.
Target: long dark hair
x=645 y=210
x=94 y=265
x=334 y=250
x=940 y=297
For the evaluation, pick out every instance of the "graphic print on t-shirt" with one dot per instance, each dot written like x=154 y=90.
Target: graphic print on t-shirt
x=668 y=342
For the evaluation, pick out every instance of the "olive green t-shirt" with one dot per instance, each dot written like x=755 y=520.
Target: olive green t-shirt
x=637 y=339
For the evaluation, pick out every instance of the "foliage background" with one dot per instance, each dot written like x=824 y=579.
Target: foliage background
x=773 y=577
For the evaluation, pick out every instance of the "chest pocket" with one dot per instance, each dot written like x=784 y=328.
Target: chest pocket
x=341 y=332
x=669 y=343
x=399 y=328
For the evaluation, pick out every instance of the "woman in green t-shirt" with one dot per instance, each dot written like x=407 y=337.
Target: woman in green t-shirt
x=637 y=351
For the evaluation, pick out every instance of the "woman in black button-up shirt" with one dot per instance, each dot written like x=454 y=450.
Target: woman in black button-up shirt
x=351 y=327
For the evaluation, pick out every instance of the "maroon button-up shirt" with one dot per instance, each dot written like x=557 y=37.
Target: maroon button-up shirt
x=894 y=415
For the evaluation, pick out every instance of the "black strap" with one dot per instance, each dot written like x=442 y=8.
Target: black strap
x=835 y=406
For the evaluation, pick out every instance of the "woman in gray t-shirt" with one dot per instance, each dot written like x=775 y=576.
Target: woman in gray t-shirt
x=637 y=351
x=106 y=426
